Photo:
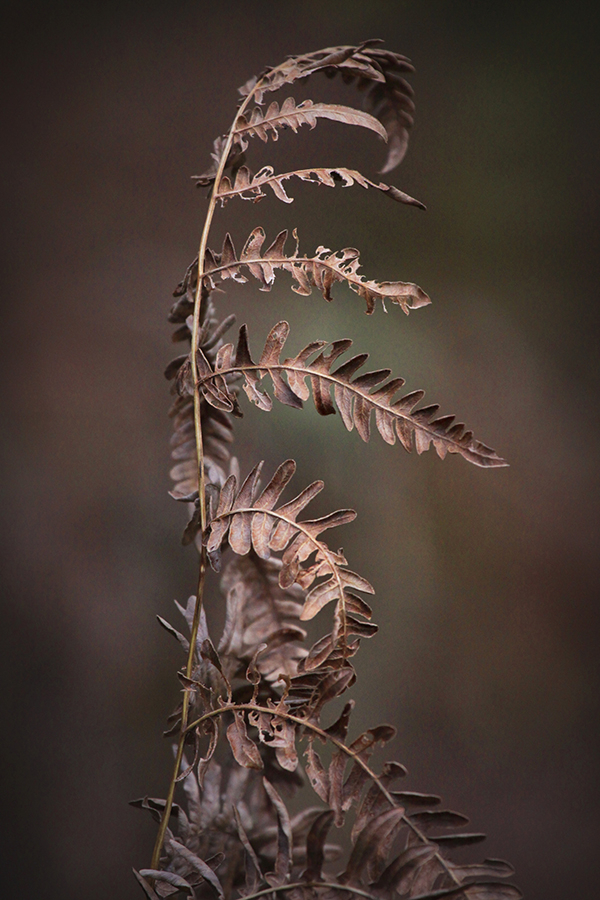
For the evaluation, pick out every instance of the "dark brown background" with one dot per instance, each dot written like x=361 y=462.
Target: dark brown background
x=487 y=660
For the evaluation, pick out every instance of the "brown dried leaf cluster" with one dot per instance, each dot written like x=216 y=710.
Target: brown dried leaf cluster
x=234 y=836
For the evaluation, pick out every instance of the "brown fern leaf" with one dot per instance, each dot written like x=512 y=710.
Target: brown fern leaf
x=217 y=431
x=259 y=611
x=321 y=271
x=300 y=67
x=248 y=521
x=250 y=187
x=391 y=101
x=356 y=399
x=378 y=73
x=261 y=124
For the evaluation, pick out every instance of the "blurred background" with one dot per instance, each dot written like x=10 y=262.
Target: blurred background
x=487 y=581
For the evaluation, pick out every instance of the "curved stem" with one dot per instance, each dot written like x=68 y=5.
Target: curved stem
x=200 y=295
x=184 y=715
x=253 y=707
x=198 y=304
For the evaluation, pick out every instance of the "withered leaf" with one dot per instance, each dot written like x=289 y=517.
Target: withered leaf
x=254 y=873
x=372 y=845
x=316 y=772
x=378 y=73
x=394 y=877
x=268 y=122
x=147 y=889
x=322 y=271
x=442 y=818
x=267 y=528
x=169 y=878
x=315 y=846
x=251 y=187
x=199 y=865
x=244 y=749
x=283 y=859
x=356 y=398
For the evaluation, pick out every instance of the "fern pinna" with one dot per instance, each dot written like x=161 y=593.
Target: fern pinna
x=254 y=704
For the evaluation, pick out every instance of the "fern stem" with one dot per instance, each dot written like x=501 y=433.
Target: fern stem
x=201 y=483
x=198 y=303
x=184 y=715
x=253 y=707
x=281 y=888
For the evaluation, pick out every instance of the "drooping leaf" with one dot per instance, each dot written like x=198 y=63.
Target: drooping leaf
x=378 y=73
x=358 y=397
x=254 y=873
x=199 y=865
x=321 y=271
x=372 y=846
x=244 y=749
x=268 y=528
x=169 y=878
x=268 y=122
x=283 y=859
x=315 y=846
x=146 y=887
x=259 y=611
x=374 y=800
x=394 y=877
x=251 y=187
x=317 y=773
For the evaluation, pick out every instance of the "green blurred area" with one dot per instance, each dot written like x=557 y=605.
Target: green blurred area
x=486 y=581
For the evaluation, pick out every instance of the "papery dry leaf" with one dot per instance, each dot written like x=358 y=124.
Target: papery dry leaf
x=315 y=846
x=371 y=845
x=259 y=611
x=357 y=398
x=322 y=270
x=244 y=749
x=199 y=865
x=264 y=123
x=251 y=187
x=378 y=73
x=248 y=521
x=284 y=839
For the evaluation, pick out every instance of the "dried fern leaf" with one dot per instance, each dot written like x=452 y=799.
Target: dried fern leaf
x=355 y=397
x=251 y=187
x=246 y=521
x=321 y=271
x=285 y=843
x=300 y=67
x=378 y=73
x=259 y=611
x=262 y=124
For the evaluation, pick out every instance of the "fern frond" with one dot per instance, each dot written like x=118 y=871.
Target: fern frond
x=356 y=398
x=322 y=271
x=262 y=124
x=260 y=612
x=247 y=521
x=250 y=187
x=378 y=73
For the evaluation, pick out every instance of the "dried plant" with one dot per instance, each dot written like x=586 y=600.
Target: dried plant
x=256 y=703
